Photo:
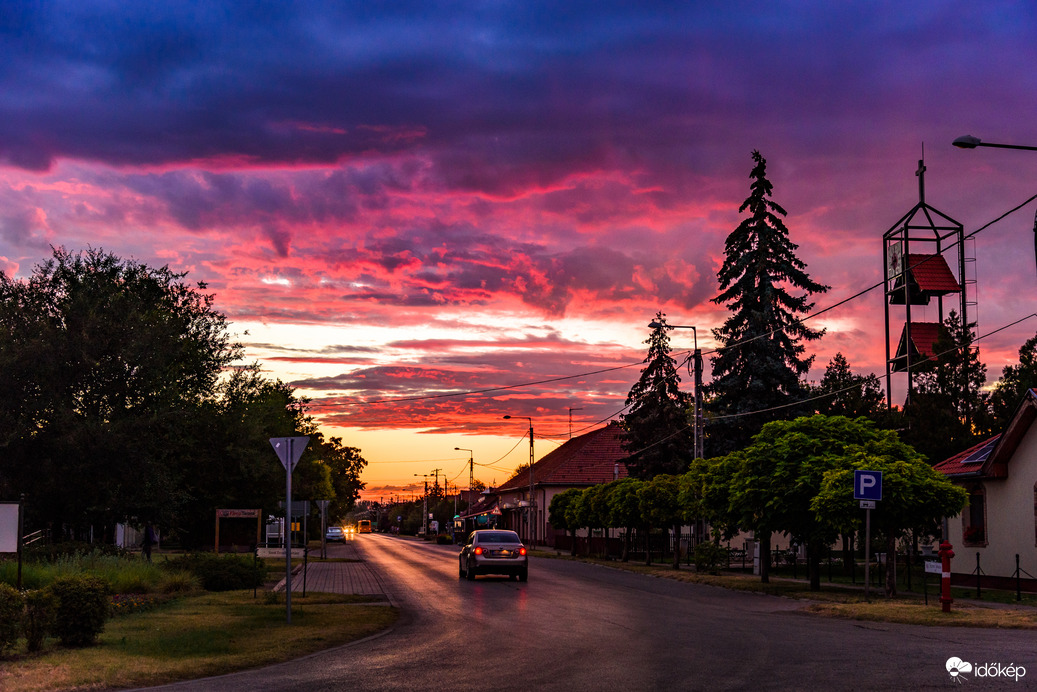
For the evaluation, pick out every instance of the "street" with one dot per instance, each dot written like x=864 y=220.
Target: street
x=575 y=627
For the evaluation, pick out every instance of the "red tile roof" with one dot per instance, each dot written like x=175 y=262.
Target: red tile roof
x=989 y=459
x=932 y=274
x=582 y=461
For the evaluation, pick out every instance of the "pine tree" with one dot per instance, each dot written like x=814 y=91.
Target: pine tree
x=1015 y=381
x=842 y=393
x=657 y=431
x=948 y=411
x=760 y=364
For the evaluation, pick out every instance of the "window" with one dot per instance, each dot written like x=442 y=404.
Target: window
x=974 y=518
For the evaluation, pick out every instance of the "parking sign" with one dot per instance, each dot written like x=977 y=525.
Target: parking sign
x=867 y=485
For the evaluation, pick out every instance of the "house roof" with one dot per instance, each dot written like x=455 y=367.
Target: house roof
x=586 y=460
x=932 y=274
x=989 y=458
x=923 y=337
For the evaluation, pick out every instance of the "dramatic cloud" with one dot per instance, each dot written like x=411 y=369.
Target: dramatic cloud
x=405 y=204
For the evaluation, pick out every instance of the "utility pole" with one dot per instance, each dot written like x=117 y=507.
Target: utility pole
x=531 y=509
x=571 y=409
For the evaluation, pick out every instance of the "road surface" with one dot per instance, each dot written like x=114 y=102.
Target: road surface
x=576 y=627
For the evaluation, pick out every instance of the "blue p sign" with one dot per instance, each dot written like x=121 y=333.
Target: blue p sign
x=867 y=485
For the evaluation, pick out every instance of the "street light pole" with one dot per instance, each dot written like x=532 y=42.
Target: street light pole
x=697 y=358
x=471 y=471
x=531 y=509
x=970 y=142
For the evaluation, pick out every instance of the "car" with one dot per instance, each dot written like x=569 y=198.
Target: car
x=335 y=533
x=493 y=551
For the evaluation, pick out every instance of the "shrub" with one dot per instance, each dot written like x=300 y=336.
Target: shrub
x=709 y=557
x=41 y=608
x=221 y=572
x=83 y=608
x=444 y=539
x=10 y=616
x=180 y=581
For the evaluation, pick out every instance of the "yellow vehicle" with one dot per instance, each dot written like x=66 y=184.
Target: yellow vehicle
x=364 y=526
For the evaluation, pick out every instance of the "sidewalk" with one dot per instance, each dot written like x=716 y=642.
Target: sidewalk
x=337 y=575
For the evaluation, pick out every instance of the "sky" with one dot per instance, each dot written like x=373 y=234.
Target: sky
x=425 y=216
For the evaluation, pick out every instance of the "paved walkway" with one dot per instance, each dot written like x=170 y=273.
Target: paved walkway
x=344 y=572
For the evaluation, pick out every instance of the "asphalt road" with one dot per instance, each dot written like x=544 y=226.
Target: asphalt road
x=577 y=627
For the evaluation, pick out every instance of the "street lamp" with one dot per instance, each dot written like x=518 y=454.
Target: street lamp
x=970 y=142
x=424 y=504
x=471 y=472
x=697 y=357
x=532 y=502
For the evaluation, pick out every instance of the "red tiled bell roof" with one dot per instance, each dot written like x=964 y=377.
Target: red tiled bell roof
x=923 y=337
x=932 y=274
x=586 y=460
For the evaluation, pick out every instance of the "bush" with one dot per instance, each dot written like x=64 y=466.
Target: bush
x=221 y=572
x=444 y=539
x=83 y=608
x=10 y=616
x=41 y=608
x=709 y=556
x=178 y=582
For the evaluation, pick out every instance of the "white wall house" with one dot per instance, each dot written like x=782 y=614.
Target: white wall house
x=1000 y=520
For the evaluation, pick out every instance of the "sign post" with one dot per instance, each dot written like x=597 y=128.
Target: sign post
x=288 y=450
x=867 y=487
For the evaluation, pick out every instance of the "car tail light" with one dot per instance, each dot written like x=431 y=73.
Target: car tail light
x=478 y=550
x=522 y=550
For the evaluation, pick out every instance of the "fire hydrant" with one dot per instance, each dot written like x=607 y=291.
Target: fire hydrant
x=945 y=587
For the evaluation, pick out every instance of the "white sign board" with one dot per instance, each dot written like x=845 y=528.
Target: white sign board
x=278 y=552
x=933 y=567
x=8 y=527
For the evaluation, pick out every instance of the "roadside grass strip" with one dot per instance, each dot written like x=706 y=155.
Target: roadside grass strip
x=196 y=636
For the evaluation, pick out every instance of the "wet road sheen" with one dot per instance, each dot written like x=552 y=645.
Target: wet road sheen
x=580 y=627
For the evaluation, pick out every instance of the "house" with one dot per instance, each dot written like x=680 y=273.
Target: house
x=999 y=523
x=592 y=458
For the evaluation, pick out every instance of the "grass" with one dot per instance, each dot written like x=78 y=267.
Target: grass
x=843 y=600
x=197 y=636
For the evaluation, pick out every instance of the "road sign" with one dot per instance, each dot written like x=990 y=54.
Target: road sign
x=289 y=449
x=867 y=485
x=867 y=504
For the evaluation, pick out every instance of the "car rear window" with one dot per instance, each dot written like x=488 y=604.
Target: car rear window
x=499 y=537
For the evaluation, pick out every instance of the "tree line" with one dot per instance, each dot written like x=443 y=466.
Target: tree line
x=781 y=450
x=126 y=401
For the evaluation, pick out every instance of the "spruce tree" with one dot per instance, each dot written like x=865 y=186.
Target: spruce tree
x=658 y=433
x=760 y=364
x=842 y=393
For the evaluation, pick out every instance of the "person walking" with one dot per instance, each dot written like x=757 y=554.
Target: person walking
x=149 y=541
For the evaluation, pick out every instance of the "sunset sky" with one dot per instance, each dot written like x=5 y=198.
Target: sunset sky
x=427 y=215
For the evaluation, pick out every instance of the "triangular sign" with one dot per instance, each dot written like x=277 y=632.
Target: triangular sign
x=289 y=449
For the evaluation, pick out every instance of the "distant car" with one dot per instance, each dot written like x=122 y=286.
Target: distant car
x=350 y=530
x=491 y=551
x=335 y=533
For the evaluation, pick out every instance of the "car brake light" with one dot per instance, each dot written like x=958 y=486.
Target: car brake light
x=522 y=550
x=478 y=550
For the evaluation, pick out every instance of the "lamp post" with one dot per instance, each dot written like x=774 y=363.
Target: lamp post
x=531 y=509
x=970 y=142
x=424 y=504
x=471 y=472
x=697 y=357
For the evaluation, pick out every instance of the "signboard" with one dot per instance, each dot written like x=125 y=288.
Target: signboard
x=933 y=567
x=278 y=552
x=237 y=513
x=867 y=485
x=9 y=527
x=289 y=449
x=867 y=504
